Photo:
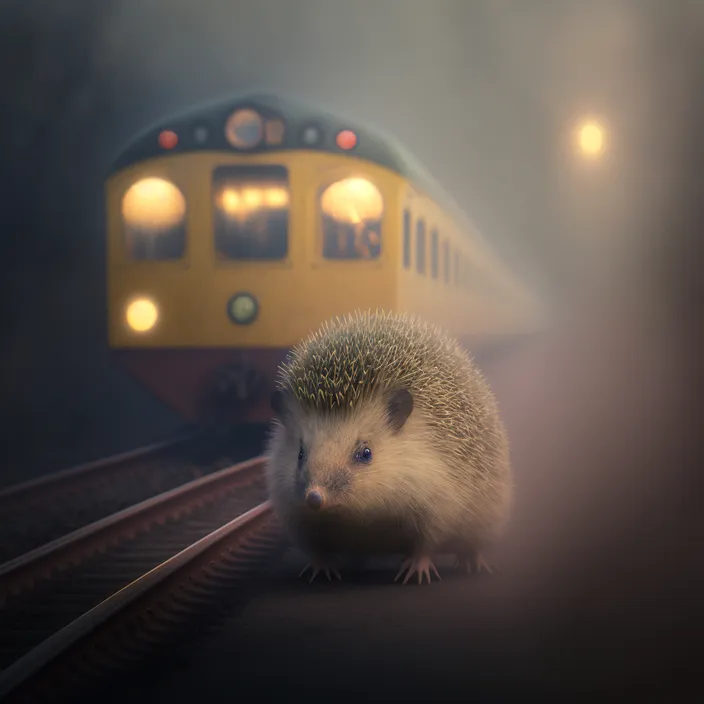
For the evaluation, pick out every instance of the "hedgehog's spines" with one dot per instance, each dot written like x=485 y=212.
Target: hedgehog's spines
x=353 y=357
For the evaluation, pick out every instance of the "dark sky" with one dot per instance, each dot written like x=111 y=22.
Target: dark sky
x=484 y=92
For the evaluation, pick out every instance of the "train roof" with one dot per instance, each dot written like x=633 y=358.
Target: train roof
x=208 y=122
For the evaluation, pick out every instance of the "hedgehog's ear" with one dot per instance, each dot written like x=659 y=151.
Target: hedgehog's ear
x=399 y=408
x=278 y=404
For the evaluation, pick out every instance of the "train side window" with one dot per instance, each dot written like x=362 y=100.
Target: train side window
x=434 y=247
x=446 y=261
x=457 y=268
x=406 y=239
x=352 y=210
x=420 y=246
x=154 y=220
x=250 y=212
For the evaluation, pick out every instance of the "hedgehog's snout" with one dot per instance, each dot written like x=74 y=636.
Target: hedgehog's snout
x=314 y=499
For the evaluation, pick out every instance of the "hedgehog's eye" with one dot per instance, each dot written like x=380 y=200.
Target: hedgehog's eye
x=364 y=455
x=301 y=453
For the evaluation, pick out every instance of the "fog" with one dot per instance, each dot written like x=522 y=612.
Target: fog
x=486 y=93
x=603 y=420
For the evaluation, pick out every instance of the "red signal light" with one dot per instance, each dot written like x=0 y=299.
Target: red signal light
x=168 y=139
x=346 y=139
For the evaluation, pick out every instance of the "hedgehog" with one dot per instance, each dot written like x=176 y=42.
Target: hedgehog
x=387 y=439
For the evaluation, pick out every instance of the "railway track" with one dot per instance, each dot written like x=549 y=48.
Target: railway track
x=36 y=512
x=55 y=586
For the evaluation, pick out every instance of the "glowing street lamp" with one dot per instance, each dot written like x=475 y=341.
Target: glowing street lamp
x=590 y=137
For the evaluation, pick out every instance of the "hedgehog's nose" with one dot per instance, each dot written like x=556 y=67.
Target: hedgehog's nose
x=314 y=499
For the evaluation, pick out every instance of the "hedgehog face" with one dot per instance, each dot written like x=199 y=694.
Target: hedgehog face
x=341 y=462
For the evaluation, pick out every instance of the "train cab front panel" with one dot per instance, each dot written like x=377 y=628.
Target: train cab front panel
x=219 y=263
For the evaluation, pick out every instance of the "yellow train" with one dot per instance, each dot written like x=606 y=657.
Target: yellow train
x=234 y=230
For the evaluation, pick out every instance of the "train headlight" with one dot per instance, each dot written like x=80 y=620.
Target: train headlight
x=243 y=308
x=141 y=314
x=153 y=204
x=244 y=129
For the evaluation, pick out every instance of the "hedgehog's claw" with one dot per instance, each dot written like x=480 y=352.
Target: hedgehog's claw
x=474 y=563
x=317 y=566
x=421 y=565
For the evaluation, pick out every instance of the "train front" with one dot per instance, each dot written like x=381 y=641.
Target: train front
x=228 y=243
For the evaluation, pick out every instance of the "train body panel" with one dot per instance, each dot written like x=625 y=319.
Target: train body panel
x=220 y=258
x=450 y=276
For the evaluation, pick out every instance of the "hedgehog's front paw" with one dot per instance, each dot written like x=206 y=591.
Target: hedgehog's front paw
x=421 y=564
x=317 y=565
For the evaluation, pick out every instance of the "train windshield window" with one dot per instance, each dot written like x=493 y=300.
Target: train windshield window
x=407 y=239
x=154 y=220
x=250 y=212
x=434 y=268
x=352 y=210
x=420 y=247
